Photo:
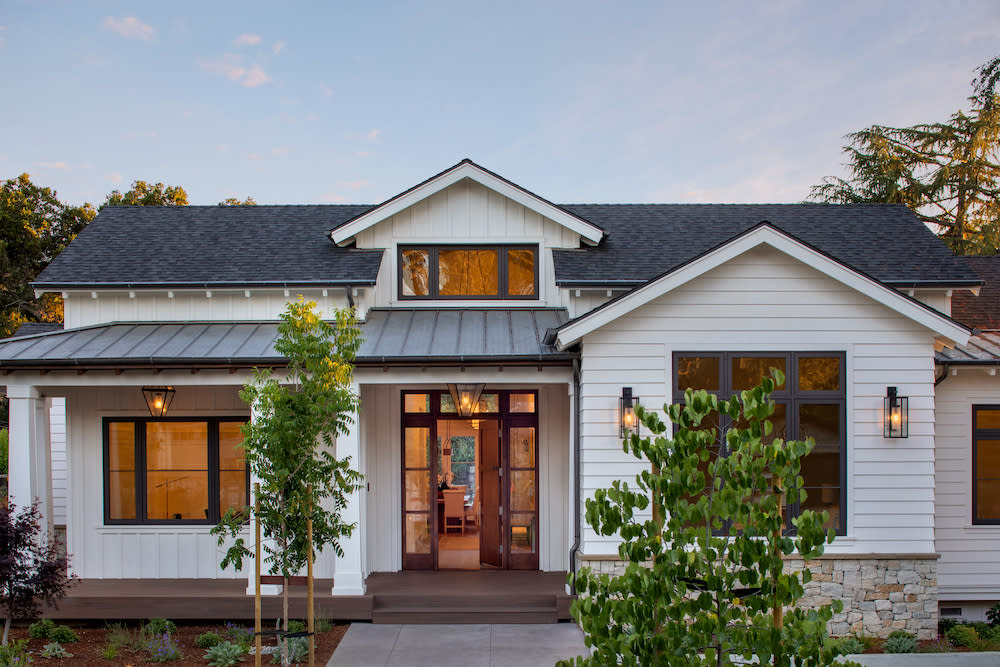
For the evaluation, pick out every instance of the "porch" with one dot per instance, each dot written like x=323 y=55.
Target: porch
x=391 y=597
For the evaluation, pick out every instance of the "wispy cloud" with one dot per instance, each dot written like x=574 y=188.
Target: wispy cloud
x=325 y=89
x=372 y=136
x=115 y=177
x=254 y=156
x=362 y=153
x=279 y=151
x=247 y=39
x=54 y=165
x=129 y=26
x=231 y=68
x=356 y=185
x=277 y=47
x=332 y=198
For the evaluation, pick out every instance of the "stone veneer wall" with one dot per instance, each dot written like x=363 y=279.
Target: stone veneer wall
x=881 y=593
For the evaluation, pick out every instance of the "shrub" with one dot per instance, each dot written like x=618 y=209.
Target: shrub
x=110 y=652
x=963 y=635
x=41 y=629
x=224 y=654
x=207 y=640
x=64 y=635
x=298 y=650
x=15 y=653
x=900 y=641
x=993 y=614
x=850 y=646
x=164 y=649
x=296 y=626
x=239 y=634
x=946 y=624
x=55 y=650
x=160 y=626
x=321 y=625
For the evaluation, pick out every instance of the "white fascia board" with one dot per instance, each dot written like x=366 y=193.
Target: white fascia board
x=947 y=330
x=590 y=233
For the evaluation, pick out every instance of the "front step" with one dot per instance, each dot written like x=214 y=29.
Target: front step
x=477 y=608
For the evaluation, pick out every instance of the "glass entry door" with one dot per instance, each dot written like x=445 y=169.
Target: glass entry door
x=470 y=484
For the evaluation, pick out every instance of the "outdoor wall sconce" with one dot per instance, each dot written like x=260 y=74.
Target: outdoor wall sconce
x=466 y=397
x=158 y=399
x=897 y=419
x=626 y=413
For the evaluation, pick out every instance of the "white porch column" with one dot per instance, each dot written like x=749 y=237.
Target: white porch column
x=349 y=575
x=250 y=563
x=30 y=470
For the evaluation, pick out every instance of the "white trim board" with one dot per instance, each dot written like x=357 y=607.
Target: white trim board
x=948 y=331
x=467 y=169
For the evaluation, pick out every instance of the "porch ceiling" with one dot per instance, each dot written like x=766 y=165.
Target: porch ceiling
x=391 y=336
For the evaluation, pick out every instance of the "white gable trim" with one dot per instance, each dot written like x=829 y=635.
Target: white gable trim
x=949 y=332
x=467 y=169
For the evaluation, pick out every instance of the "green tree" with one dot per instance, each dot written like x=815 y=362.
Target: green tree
x=148 y=194
x=703 y=537
x=34 y=227
x=947 y=172
x=290 y=441
x=233 y=201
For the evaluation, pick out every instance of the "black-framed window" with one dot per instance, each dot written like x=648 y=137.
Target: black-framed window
x=986 y=465
x=174 y=470
x=811 y=403
x=468 y=272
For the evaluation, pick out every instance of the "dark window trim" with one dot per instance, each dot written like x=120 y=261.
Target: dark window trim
x=432 y=272
x=791 y=396
x=984 y=433
x=139 y=424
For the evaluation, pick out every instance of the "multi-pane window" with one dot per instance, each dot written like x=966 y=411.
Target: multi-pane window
x=173 y=470
x=986 y=464
x=811 y=403
x=468 y=272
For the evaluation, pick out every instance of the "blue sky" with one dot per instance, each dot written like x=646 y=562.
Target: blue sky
x=609 y=101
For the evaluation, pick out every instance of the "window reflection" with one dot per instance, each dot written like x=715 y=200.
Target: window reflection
x=468 y=273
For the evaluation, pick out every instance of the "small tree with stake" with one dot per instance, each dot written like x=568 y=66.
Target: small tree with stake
x=704 y=579
x=31 y=571
x=290 y=441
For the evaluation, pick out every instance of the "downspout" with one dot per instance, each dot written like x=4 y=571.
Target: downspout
x=944 y=375
x=576 y=473
x=350 y=296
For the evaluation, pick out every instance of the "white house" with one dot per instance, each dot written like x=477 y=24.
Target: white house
x=501 y=333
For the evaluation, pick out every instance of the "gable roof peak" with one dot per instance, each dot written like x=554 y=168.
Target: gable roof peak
x=467 y=169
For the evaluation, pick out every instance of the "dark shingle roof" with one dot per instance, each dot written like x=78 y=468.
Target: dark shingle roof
x=983 y=311
x=212 y=245
x=276 y=245
x=887 y=242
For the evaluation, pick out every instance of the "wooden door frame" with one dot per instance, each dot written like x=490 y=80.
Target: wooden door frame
x=506 y=420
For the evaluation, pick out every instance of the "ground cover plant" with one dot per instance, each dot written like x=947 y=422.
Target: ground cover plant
x=132 y=644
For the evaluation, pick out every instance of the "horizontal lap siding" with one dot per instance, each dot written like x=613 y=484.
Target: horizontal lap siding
x=467 y=212
x=189 y=305
x=764 y=301
x=969 y=568
x=157 y=552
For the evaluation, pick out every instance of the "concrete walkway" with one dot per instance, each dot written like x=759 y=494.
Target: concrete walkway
x=367 y=645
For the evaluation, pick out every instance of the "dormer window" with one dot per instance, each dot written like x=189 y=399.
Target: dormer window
x=468 y=272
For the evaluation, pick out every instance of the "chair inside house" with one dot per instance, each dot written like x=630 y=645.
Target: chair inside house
x=472 y=511
x=454 y=509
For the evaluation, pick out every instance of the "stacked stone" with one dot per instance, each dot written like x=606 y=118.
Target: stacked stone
x=879 y=594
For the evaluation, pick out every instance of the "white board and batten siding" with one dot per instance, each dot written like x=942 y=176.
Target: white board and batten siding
x=57 y=449
x=969 y=568
x=82 y=309
x=381 y=435
x=466 y=212
x=100 y=551
x=763 y=301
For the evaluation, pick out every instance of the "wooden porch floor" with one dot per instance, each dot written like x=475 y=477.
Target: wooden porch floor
x=397 y=597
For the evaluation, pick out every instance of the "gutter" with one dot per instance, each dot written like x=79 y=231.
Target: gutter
x=576 y=474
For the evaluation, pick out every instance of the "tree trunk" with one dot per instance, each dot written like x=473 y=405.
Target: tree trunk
x=286 y=659
x=6 y=629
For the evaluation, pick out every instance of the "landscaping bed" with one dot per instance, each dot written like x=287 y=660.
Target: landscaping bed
x=135 y=645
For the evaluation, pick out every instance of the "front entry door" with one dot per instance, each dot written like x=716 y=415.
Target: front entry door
x=470 y=484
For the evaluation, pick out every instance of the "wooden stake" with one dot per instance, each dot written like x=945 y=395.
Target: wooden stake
x=256 y=597
x=309 y=576
x=778 y=613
